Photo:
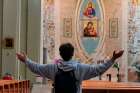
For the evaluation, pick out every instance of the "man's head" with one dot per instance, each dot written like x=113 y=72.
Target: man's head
x=66 y=51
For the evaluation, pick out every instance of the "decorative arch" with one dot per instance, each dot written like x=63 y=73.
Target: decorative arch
x=89 y=46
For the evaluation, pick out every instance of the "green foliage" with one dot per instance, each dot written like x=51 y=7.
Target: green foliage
x=116 y=65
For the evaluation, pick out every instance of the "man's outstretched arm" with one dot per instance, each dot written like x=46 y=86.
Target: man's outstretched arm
x=44 y=70
x=90 y=71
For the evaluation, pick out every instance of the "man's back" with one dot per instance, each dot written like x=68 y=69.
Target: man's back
x=65 y=82
x=81 y=71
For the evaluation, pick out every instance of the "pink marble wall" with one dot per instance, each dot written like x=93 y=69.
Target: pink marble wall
x=112 y=9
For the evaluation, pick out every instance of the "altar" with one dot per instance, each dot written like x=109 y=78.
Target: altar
x=91 y=86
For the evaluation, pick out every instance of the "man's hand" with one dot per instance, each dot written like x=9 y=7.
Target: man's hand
x=116 y=55
x=21 y=56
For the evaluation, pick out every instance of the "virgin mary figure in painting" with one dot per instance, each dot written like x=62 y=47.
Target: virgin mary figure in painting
x=89 y=30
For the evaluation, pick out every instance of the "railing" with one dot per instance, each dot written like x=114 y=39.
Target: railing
x=91 y=86
x=14 y=86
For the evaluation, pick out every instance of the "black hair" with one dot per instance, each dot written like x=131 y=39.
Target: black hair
x=66 y=51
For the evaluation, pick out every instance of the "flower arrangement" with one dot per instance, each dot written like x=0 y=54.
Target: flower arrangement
x=117 y=66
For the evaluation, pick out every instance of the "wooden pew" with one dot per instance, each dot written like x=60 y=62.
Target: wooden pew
x=14 y=86
x=91 y=86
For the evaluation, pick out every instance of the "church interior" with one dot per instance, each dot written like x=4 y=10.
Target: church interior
x=94 y=27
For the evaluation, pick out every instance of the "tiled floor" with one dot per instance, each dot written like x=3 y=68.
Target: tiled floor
x=41 y=88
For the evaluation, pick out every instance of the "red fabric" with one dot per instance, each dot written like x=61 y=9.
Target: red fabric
x=7 y=78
